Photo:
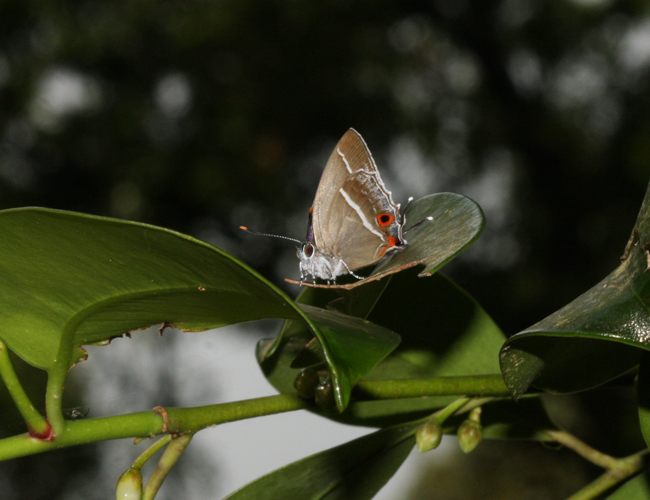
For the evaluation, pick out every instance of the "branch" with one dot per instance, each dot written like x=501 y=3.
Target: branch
x=474 y=385
x=624 y=468
x=148 y=424
x=618 y=469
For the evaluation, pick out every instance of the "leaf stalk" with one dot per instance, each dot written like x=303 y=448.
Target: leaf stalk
x=37 y=424
x=617 y=469
x=169 y=458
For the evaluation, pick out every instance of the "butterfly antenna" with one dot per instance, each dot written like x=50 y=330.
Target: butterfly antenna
x=402 y=212
x=244 y=228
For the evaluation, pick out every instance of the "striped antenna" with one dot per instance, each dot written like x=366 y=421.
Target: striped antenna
x=244 y=228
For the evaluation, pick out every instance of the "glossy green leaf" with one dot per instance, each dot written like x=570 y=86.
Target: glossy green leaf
x=353 y=471
x=70 y=279
x=456 y=223
x=593 y=339
x=637 y=488
x=351 y=346
x=444 y=333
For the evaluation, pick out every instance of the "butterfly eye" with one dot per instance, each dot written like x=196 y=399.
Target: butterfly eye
x=308 y=250
x=385 y=219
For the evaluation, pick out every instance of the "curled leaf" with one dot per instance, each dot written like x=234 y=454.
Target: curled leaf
x=595 y=338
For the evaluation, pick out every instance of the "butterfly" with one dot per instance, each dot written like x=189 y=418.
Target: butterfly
x=353 y=222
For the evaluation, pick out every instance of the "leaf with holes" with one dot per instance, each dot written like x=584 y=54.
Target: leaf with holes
x=71 y=279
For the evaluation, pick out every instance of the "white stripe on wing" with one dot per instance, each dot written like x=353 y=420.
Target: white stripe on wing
x=345 y=160
x=361 y=215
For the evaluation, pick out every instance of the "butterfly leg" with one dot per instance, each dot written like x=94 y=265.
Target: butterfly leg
x=350 y=271
x=302 y=273
x=305 y=271
x=331 y=279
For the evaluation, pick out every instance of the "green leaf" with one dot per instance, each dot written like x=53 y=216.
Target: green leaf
x=444 y=333
x=70 y=279
x=637 y=488
x=593 y=339
x=353 y=471
x=351 y=346
x=456 y=223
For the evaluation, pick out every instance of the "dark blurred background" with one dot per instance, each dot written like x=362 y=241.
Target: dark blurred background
x=202 y=116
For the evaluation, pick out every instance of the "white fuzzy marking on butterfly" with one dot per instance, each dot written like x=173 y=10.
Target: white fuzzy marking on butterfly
x=345 y=160
x=382 y=186
x=361 y=215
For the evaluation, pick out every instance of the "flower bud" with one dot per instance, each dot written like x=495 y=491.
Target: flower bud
x=306 y=382
x=129 y=485
x=470 y=434
x=428 y=436
x=324 y=395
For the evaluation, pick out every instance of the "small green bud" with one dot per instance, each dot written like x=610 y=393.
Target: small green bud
x=129 y=485
x=428 y=436
x=324 y=395
x=470 y=434
x=306 y=382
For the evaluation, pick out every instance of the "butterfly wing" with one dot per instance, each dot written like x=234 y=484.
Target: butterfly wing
x=354 y=216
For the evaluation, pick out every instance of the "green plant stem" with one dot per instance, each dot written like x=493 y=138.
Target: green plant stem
x=617 y=468
x=36 y=423
x=187 y=420
x=583 y=449
x=441 y=415
x=478 y=385
x=171 y=455
x=151 y=423
x=624 y=468
x=142 y=459
x=56 y=376
x=54 y=399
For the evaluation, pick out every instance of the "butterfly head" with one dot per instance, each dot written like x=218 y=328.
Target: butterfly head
x=306 y=251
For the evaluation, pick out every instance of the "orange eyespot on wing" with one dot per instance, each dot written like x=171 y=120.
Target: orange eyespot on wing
x=392 y=242
x=385 y=219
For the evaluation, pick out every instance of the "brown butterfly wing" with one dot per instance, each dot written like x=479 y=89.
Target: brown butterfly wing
x=350 y=198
